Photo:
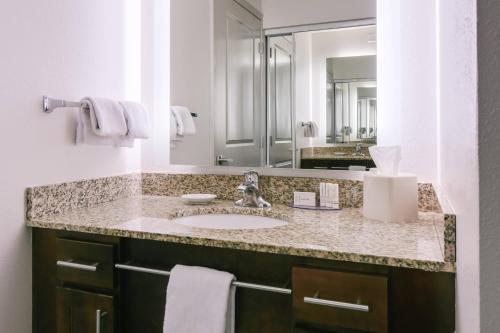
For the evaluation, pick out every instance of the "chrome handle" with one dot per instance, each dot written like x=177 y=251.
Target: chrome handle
x=98 y=323
x=336 y=304
x=71 y=264
x=221 y=160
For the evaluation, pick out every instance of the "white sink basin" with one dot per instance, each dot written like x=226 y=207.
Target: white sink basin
x=229 y=221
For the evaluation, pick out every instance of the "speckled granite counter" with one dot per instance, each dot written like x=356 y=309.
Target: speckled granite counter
x=336 y=157
x=337 y=235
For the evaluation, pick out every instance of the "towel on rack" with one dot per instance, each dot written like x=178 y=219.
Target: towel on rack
x=184 y=120
x=106 y=116
x=136 y=117
x=173 y=131
x=85 y=134
x=310 y=129
x=199 y=300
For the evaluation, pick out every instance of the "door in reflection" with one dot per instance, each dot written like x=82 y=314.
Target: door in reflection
x=238 y=119
x=279 y=102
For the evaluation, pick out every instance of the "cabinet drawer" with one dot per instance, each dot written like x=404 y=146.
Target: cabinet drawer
x=338 y=299
x=85 y=263
x=83 y=312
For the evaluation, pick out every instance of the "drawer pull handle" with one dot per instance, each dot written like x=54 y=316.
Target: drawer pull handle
x=71 y=264
x=336 y=304
x=98 y=323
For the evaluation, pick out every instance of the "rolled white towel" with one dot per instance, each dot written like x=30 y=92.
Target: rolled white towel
x=85 y=133
x=136 y=117
x=184 y=120
x=107 y=117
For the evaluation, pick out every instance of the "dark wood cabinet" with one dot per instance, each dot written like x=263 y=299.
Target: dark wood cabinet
x=83 y=312
x=68 y=299
x=85 y=263
x=334 y=299
x=334 y=163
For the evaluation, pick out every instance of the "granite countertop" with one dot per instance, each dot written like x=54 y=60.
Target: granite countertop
x=334 y=153
x=337 y=235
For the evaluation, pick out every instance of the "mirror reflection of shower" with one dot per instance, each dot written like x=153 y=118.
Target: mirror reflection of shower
x=367 y=114
x=351 y=98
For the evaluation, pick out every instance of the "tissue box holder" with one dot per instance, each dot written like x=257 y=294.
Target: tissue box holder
x=390 y=198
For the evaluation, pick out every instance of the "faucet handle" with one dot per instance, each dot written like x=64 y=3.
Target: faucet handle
x=252 y=177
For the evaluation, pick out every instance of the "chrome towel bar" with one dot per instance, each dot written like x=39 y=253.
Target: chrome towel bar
x=239 y=284
x=49 y=104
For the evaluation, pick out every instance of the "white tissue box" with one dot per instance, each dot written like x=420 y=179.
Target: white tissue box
x=390 y=198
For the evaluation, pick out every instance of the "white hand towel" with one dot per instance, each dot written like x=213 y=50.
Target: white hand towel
x=84 y=132
x=173 y=127
x=185 y=122
x=106 y=116
x=136 y=117
x=199 y=300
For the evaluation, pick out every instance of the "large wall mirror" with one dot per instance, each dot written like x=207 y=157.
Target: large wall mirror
x=273 y=83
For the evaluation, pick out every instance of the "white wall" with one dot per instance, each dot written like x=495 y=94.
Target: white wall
x=458 y=147
x=67 y=49
x=283 y=13
x=407 y=109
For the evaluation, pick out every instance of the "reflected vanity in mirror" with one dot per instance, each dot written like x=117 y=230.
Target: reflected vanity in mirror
x=271 y=90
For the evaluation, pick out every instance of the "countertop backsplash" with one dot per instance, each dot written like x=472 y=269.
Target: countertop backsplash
x=59 y=198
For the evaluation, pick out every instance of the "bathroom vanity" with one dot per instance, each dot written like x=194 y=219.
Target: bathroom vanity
x=105 y=268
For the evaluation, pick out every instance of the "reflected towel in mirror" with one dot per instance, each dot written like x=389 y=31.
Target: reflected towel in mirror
x=310 y=129
x=184 y=120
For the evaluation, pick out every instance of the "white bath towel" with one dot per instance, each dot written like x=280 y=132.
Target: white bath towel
x=85 y=133
x=310 y=129
x=199 y=300
x=106 y=116
x=184 y=120
x=136 y=117
x=173 y=128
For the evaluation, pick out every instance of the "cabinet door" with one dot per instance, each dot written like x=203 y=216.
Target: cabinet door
x=83 y=312
x=340 y=300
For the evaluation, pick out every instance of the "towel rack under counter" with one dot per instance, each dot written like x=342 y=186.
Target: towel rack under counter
x=133 y=268
x=49 y=104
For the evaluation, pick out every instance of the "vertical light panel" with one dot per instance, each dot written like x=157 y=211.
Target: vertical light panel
x=132 y=48
x=389 y=72
x=161 y=82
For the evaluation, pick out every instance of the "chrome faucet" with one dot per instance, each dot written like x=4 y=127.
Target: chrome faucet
x=252 y=196
x=358 y=152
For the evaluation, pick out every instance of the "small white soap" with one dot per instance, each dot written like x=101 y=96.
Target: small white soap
x=304 y=199
x=334 y=197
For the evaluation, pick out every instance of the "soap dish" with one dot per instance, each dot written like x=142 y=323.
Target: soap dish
x=198 y=198
x=312 y=207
